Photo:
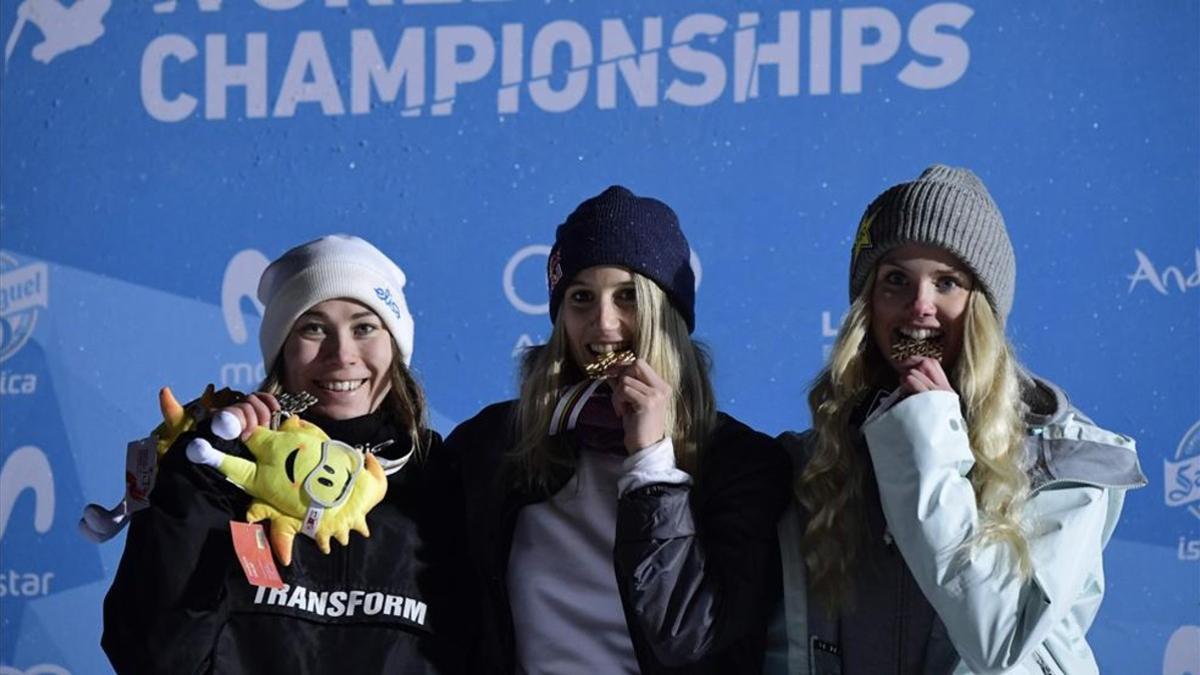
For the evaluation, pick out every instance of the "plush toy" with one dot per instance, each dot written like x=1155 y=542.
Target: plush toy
x=300 y=480
x=141 y=463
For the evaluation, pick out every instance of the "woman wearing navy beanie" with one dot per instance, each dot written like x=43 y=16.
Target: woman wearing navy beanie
x=619 y=522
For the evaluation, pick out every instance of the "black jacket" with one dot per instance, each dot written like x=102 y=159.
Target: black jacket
x=391 y=603
x=698 y=567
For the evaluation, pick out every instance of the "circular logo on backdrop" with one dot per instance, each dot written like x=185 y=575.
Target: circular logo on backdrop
x=23 y=294
x=1182 y=479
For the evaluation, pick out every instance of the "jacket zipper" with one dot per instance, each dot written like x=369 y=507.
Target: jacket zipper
x=899 y=567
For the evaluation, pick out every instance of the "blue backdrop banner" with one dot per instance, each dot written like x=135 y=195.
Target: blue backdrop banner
x=156 y=154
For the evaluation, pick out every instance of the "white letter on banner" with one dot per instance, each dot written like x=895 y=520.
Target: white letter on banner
x=279 y=4
x=639 y=71
x=27 y=468
x=156 y=104
x=855 y=53
x=542 y=65
x=1182 y=652
x=309 y=53
x=508 y=98
x=952 y=50
x=1145 y=272
x=241 y=282
x=219 y=75
x=450 y=71
x=510 y=288
x=23 y=288
x=749 y=56
x=820 y=51
x=367 y=69
x=1181 y=481
x=695 y=61
x=346 y=3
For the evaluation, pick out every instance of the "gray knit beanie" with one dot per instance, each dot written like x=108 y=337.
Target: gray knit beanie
x=947 y=207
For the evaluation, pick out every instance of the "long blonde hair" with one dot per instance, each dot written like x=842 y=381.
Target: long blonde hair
x=404 y=403
x=831 y=486
x=662 y=340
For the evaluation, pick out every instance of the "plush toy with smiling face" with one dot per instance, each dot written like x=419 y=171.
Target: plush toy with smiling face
x=300 y=480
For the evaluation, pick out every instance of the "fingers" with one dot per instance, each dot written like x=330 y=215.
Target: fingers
x=641 y=371
x=254 y=411
x=933 y=371
x=638 y=385
x=640 y=398
x=926 y=375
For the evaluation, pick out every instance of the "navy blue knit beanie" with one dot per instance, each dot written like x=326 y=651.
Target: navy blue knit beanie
x=617 y=227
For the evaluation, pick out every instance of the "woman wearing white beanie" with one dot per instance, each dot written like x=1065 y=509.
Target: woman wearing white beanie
x=335 y=326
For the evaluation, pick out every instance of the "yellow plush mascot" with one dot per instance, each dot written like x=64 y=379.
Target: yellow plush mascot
x=300 y=480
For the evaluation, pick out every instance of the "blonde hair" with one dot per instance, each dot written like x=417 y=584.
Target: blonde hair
x=543 y=462
x=830 y=488
x=404 y=403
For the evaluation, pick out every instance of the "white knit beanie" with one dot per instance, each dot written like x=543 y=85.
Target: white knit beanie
x=336 y=266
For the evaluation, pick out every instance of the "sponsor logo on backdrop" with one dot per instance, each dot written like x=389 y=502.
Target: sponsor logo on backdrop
x=39 y=669
x=63 y=27
x=239 y=284
x=525 y=285
x=829 y=331
x=1181 y=486
x=554 y=66
x=1165 y=280
x=1182 y=655
x=26 y=470
x=24 y=293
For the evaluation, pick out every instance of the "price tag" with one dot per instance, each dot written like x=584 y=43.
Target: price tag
x=254 y=553
x=141 y=468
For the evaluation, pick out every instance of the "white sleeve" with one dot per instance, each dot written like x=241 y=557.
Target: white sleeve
x=922 y=455
x=654 y=464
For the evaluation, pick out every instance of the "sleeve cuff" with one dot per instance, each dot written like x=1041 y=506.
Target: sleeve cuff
x=654 y=464
x=923 y=432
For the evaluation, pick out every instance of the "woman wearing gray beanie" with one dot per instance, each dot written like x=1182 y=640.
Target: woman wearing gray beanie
x=952 y=507
x=619 y=522
x=335 y=326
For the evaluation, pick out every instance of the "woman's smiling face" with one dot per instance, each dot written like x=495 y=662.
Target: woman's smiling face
x=340 y=352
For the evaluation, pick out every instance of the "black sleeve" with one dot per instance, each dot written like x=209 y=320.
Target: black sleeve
x=698 y=566
x=166 y=605
x=446 y=538
x=474 y=450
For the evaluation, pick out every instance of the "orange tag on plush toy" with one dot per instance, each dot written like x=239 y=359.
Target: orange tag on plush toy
x=253 y=552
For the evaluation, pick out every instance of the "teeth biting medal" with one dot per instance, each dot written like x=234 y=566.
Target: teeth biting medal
x=597 y=369
x=908 y=347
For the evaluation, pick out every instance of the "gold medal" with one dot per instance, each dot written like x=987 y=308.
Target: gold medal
x=906 y=349
x=599 y=368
